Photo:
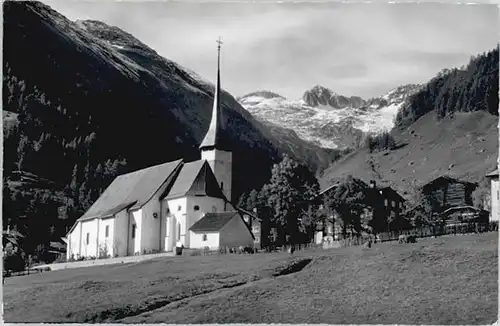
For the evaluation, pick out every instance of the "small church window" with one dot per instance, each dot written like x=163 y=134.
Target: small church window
x=107 y=231
x=178 y=231
x=222 y=186
x=88 y=238
x=214 y=209
x=204 y=237
x=386 y=202
x=133 y=231
x=179 y=208
x=196 y=207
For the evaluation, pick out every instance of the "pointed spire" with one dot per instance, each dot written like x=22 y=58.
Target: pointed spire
x=213 y=138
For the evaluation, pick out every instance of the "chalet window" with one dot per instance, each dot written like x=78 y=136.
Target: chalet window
x=196 y=207
x=133 y=231
x=204 y=238
x=107 y=231
x=88 y=238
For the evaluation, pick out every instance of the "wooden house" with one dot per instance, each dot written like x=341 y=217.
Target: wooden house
x=445 y=192
x=464 y=215
x=382 y=203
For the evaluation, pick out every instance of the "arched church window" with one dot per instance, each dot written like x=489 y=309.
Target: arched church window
x=196 y=207
x=204 y=237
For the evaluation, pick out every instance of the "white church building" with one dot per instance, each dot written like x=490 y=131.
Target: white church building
x=152 y=209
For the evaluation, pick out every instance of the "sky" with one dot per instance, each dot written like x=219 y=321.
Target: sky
x=355 y=49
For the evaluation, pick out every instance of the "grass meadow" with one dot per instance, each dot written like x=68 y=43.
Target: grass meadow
x=446 y=280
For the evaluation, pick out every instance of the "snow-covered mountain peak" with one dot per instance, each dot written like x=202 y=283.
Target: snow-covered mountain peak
x=326 y=118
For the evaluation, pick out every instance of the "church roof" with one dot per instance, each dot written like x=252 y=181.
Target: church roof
x=213 y=221
x=216 y=136
x=132 y=190
x=195 y=179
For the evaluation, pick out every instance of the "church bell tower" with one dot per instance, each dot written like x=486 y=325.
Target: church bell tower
x=215 y=147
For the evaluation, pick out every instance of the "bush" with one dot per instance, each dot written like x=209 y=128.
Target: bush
x=383 y=141
x=14 y=260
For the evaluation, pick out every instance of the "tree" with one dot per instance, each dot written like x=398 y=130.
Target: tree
x=289 y=194
x=419 y=208
x=348 y=200
x=481 y=196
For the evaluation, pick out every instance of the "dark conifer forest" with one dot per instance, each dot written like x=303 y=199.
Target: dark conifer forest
x=466 y=89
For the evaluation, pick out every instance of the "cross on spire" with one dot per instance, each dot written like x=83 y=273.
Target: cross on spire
x=219 y=43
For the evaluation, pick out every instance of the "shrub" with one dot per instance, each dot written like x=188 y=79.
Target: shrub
x=383 y=141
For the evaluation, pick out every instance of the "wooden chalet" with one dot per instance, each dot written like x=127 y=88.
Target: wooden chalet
x=445 y=192
x=464 y=215
x=383 y=203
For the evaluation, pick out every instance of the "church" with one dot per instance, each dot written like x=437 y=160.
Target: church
x=153 y=209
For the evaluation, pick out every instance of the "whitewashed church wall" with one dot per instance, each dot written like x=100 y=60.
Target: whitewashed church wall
x=74 y=242
x=106 y=242
x=151 y=225
x=89 y=232
x=197 y=242
x=134 y=243
x=121 y=232
x=178 y=211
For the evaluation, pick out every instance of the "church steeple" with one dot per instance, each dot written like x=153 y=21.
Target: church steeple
x=216 y=146
x=215 y=137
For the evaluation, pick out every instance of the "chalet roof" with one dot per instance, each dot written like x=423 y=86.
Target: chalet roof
x=213 y=221
x=462 y=208
x=391 y=190
x=493 y=174
x=445 y=179
x=195 y=179
x=131 y=190
x=322 y=192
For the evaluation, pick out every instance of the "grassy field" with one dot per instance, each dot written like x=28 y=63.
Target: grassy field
x=447 y=280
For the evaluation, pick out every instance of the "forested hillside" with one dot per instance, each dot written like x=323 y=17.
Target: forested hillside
x=470 y=88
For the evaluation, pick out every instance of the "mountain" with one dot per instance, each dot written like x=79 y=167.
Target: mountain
x=432 y=136
x=327 y=119
x=84 y=102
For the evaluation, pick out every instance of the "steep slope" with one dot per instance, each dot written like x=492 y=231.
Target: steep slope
x=328 y=119
x=433 y=136
x=463 y=146
x=84 y=101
